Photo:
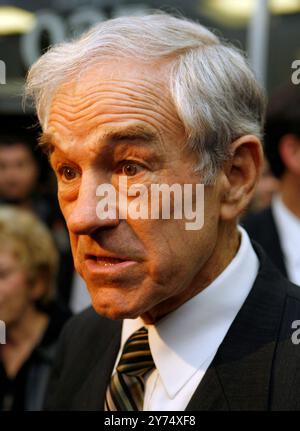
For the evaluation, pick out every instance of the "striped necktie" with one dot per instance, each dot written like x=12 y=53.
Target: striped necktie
x=125 y=391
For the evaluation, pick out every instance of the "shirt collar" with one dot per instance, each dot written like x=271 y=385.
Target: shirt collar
x=190 y=335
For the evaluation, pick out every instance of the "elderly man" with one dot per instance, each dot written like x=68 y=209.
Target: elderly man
x=181 y=318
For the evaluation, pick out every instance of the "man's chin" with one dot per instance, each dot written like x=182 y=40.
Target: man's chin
x=114 y=313
x=113 y=305
x=119 y=301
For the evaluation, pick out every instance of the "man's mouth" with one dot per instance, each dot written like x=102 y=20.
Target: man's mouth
x=106 y=261
x=105 y=265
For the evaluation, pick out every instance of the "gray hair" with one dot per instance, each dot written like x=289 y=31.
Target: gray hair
x=213 y=89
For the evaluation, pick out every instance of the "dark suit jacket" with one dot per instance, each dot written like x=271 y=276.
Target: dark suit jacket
x=257 y=366
x=262 y=228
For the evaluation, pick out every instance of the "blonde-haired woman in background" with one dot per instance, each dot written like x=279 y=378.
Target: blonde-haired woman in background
x=28 y=269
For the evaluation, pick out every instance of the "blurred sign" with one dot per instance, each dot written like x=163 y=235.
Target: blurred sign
x=54 y=22
x=58 y=28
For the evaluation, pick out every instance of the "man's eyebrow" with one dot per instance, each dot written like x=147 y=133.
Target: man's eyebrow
x=45 y=142
x=132 y=133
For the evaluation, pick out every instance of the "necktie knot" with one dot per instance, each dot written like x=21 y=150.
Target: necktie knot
x=136 y=358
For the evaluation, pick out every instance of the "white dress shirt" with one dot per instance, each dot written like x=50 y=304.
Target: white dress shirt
x=288 y=226
x=184 y=343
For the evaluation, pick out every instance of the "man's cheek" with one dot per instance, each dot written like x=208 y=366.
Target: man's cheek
x=62 y=204
x=160 y=269
x=74 y=249
x=66 y=209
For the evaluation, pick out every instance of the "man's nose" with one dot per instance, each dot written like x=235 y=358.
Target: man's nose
x=83 y=218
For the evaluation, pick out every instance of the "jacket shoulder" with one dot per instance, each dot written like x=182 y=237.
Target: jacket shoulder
x=286 y=367
x=83 y=340
x=82 y=330
x=86 y=322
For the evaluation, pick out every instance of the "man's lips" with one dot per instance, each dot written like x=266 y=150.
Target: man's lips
x=100 y=265
x=109 y=259
x=105 y=260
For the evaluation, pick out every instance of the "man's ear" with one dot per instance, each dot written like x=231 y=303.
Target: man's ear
x=289 y=150
x=240 y=176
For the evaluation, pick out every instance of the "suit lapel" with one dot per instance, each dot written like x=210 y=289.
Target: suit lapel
x=92 y=394
x=239 y=376
x=209 y=395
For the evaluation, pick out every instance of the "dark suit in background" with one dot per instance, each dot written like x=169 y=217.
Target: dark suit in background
x=262 y=228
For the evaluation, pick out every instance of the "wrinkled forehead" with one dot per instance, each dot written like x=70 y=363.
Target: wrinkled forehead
x=154 y=75
x=112 y=94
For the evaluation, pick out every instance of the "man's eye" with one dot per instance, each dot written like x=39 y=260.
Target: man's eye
x=130 y=169
x=67 y=172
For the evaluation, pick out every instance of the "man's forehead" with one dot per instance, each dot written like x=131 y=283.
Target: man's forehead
x=117 y=101
x=154 y=74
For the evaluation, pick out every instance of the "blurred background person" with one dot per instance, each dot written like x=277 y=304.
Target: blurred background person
x=28 y=266
x=18 y=169
x=266 y=187
x=25 y=182
x=277 y=228
x=20 y=175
